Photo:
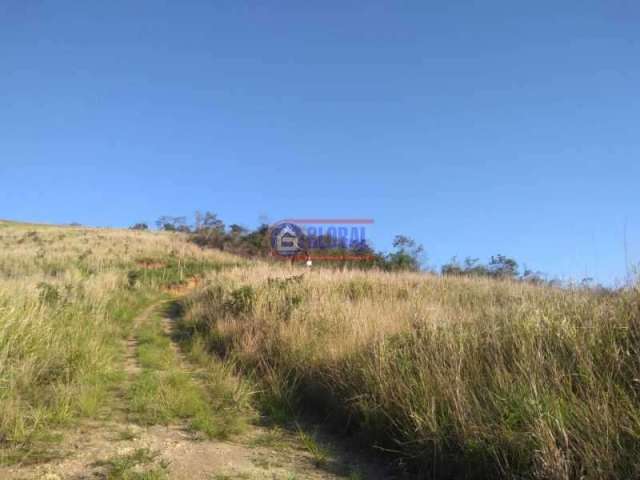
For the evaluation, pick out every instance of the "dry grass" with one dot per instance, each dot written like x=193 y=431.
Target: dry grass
x=67 y=297
x=465 y=377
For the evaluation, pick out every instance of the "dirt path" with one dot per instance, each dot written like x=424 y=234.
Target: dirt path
x=119 y=448
x=131 y=365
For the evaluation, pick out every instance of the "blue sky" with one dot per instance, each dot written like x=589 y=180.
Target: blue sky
x=475 y=127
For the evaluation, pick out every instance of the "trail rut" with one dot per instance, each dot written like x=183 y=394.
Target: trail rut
x=97 y=449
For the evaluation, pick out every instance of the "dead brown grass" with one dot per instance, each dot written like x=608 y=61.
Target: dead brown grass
x=472 y=377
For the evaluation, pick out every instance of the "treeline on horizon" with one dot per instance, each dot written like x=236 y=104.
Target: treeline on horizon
x=209 y=231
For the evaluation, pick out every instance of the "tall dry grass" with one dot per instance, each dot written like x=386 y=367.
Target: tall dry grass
x=466 y=378
x=67 y=297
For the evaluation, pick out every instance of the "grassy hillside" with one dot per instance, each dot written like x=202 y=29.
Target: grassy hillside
x=472 y=378
x=67 y=297
x=464 y=378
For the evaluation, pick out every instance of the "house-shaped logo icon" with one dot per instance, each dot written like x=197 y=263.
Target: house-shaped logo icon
x=286 y=239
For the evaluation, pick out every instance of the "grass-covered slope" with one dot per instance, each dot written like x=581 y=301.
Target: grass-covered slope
x=67 y=298
x=467 y=378
x=470 y=378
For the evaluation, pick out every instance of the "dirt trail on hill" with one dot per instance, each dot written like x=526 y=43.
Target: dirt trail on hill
x=118 y=448
x=131 y=365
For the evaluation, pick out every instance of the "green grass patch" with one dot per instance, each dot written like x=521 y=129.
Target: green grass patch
x=166 y=392
x=174 y=271
x=318 y=452
x=75 y=371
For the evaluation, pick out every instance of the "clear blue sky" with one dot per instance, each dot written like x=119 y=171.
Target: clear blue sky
x=475 y=127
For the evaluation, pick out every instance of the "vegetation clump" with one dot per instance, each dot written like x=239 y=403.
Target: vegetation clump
x=461 y=375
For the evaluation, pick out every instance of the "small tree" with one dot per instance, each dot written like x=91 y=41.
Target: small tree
x=257 y=241
x=172 y=224
x=209 y=230
x=535 y=277
x=407 y=255
x=502 y=266
x=472 y=266
x=452 y=268
x=237 y=230
x=211 y=222
x=139 y=226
